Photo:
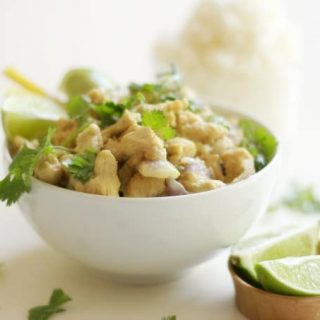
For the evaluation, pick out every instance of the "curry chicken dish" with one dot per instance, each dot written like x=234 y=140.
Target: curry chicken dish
x=145 y=140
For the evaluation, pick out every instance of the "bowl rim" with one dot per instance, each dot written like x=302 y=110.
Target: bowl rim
x=232 y=186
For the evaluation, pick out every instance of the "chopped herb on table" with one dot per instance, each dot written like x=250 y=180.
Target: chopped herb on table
x=169 y=318
x=57 y=300
x=300 y=198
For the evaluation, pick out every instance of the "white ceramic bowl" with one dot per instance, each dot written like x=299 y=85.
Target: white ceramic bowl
x=147 y=239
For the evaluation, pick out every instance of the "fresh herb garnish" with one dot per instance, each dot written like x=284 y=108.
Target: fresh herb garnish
x=259 y=141
x=167 y=88
x=57 y=299
x=82 y=165
x=169 y=318
x=299 y=198
x=157 y=121
x=21 y=170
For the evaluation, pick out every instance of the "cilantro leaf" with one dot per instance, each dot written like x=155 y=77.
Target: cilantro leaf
x=79 y=108
x=169 y=318
x=57 y=299
x=168 y=87
x=82 y=165
x=157 y=121
x=259 y=142
x=21 y=170
x=109 y=113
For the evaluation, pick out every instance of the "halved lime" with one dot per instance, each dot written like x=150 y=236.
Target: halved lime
x=80 y=81
x=291 y=276
x=29 y=116
x=287 y=242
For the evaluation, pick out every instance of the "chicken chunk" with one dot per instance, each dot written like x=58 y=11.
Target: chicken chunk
x=141 y=140
x=18 y=142
x=105 y=179
x=238 y=164
x=196 y=177
x=128 y=120
x=160 y=169
x=140 y=186
x=223 y=144
x=179 y=148
x=214 y=163
x=65 y=129
x=97 y=96
x=49 y=169
x=193 y=127
x=89 y=138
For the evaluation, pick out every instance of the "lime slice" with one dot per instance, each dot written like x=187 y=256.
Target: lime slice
x=291 y=276
x=288 y=242
x=29 y=116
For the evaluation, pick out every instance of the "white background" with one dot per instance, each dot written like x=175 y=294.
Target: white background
x=42 y=38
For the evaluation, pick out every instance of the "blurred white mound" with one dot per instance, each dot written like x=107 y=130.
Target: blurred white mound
x=240 y=53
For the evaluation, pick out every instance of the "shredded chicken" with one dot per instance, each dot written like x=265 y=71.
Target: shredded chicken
x=89 y=138
x=49 y=169
x=105 y=179
x=140 y=186
x=160 y=169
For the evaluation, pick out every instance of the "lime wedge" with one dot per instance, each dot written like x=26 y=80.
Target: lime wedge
x=29 y=116
x=291 y=276
x=288 y=242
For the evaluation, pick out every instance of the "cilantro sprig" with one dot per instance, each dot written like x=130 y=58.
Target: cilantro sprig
x=157 y=121
x=18 y=180
x=82 y=165
x=259 y=141
x=57 y=300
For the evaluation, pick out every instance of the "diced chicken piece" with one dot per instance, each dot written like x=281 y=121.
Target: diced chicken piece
x=97 y=96
x=203 y=149
x=179 y=148
x=65 y=129
x=192 y=126
x=49 y=169
x=214 y=163
x=160 y=169
x=175 y=188
x=200 y=184
x=128 y=120
x=105 y=180
x=18 y=142
x=142 y=140
x=223 y=144
x=140 y=186
x=238 y=164
x=196 y=176
x=128 y=169
x=89 y=138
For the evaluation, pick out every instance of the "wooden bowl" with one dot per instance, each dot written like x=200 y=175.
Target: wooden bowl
x=258 y=304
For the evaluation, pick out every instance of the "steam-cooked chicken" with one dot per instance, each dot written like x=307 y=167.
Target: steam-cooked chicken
x=90 y=138
x=49 y=169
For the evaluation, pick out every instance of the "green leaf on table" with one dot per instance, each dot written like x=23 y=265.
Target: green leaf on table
x=157 y=121
x=259 y=142
x=18 y=180
x=57 y=300
x=169 y=318
x=300 y=198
